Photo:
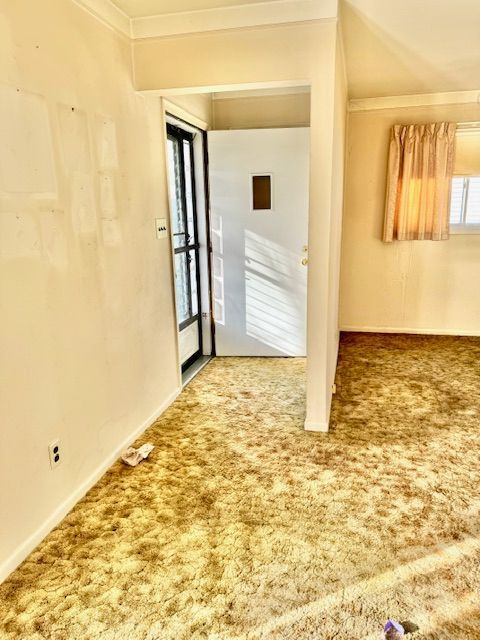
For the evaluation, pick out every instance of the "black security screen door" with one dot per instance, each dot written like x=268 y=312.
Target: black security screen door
x=185 y=234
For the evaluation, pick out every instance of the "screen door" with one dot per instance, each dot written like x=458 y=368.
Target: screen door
x=185 y=241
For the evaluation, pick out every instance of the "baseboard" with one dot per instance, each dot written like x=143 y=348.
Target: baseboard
x=24 y=549
x=310 y=425
x=417 y=331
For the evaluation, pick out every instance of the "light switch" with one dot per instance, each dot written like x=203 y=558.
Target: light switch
x=161 y=228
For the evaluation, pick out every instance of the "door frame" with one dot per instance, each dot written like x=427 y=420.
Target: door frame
x=179 y=120
x=190 y=244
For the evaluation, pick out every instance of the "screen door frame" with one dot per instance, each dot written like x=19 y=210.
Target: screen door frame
x=184 y=243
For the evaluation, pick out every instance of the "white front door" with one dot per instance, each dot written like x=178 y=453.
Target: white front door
x=259 y=222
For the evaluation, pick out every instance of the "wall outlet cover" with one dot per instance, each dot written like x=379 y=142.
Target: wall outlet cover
x=54 y=454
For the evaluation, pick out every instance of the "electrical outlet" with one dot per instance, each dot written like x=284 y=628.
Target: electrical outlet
x=54 y=453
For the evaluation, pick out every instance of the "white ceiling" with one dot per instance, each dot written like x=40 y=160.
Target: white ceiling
x=142 y=8
x=397 y=47
x=393 y=47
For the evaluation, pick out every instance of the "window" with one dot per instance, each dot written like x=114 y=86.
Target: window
x=465 y=204
x=262 y=192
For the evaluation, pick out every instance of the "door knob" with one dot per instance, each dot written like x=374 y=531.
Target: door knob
x=305 y=262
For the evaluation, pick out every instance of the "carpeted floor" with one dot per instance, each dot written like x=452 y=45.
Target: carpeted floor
x=242 y=526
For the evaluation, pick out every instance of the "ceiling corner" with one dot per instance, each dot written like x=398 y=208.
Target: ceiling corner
x=108 y=13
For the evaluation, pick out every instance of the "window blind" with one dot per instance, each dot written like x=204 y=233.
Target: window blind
x=467 y=153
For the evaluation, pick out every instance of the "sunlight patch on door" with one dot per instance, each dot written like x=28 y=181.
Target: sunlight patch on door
x=275 y=313
x=217 y=268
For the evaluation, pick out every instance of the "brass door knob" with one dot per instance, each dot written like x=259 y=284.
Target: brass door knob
x=305 y=262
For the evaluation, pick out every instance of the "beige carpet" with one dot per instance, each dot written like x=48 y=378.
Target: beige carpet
x=243 y=526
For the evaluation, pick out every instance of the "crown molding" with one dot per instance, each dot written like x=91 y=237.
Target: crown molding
x=270 y=12
x=233 y=17
x=108 y=14
x=219 y=88
x=415 y=100
x=261 y=93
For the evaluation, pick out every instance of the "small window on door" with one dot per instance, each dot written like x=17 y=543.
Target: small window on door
x=262 y=192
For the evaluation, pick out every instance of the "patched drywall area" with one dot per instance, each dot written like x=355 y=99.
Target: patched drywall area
x=87 y=326
x=26 y=164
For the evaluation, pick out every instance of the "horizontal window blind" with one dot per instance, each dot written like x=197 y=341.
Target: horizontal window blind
x=456 y=202
x=465 y=201
x=472 y=209
x=467 y=153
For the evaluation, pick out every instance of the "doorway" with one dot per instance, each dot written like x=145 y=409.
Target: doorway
x=186 y=245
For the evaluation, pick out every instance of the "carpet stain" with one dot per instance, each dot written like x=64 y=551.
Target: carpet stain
x=241 y=525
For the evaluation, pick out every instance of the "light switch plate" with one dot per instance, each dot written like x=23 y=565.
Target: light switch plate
x=161 y=228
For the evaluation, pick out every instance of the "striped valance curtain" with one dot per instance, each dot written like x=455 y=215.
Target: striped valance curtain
x=420 y=168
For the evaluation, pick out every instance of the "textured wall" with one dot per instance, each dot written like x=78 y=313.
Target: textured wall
x=87 y=327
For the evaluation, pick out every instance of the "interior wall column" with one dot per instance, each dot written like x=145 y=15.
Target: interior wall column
x=321 y=157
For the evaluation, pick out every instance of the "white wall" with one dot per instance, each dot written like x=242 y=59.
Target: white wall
x=324 y=240
x=195 y=107
x=87 y=327
x=268 y=111
x=426 y=287
x=296 y=54
x=338 y=183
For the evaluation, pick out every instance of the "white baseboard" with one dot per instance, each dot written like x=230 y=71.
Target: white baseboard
x=413 y=330
x=26 y=547
x=310 y=425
